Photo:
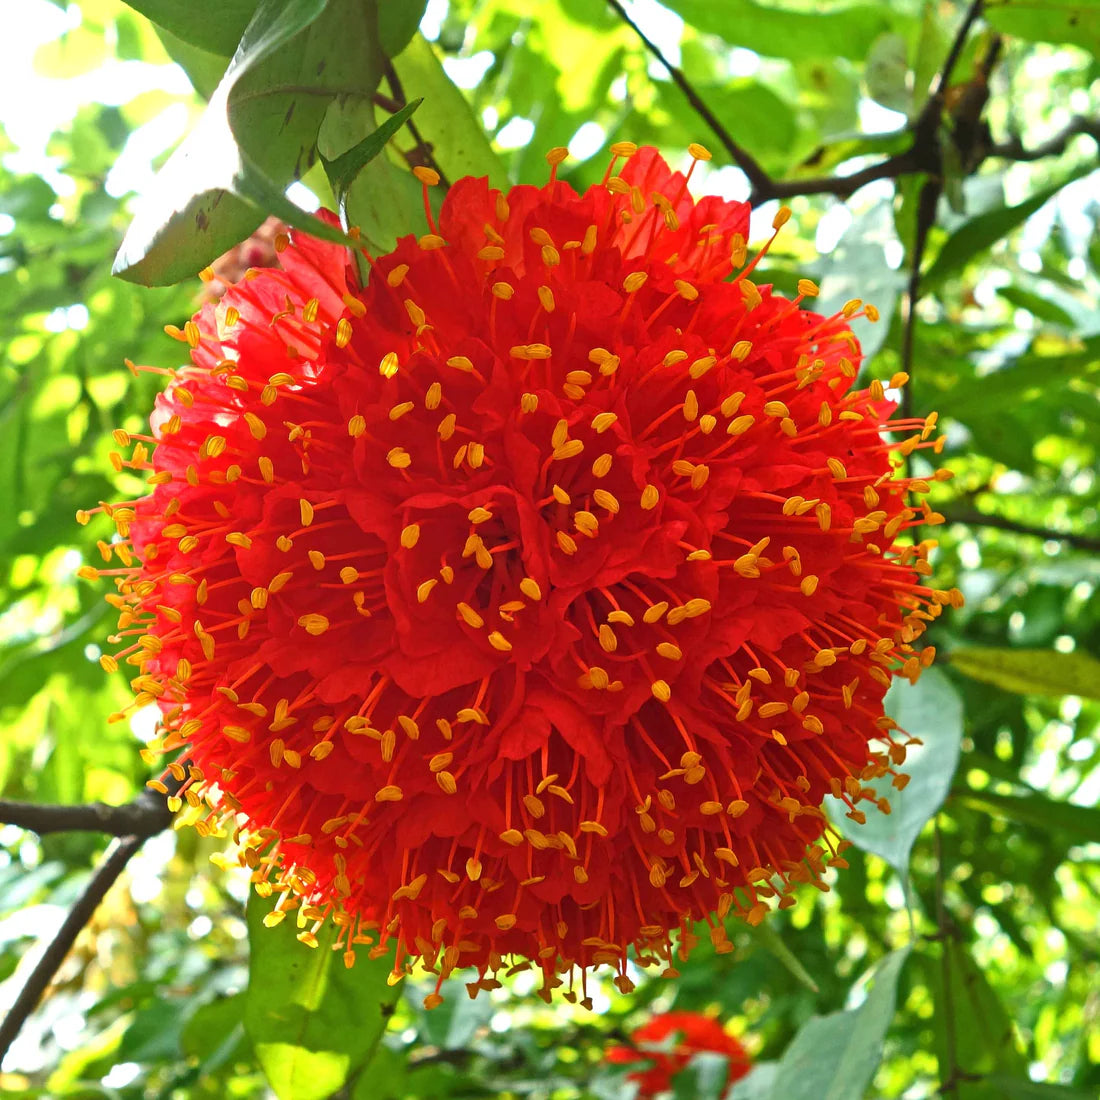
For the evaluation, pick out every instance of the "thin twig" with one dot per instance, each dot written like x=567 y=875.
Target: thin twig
x=943 y=77
x=54 y=955
x=1014 y=148
x=145 y=816
x=921 y=156
x=927 y=202
x=945 y=932
x=422 y=154
x=1002 y=523
x=744 y=160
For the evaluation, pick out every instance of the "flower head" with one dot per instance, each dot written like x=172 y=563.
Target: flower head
x=524 y=603
x=669 y=1041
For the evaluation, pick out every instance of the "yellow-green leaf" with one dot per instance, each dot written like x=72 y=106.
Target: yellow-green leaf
x=1031 y=671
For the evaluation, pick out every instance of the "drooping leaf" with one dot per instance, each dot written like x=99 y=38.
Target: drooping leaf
x=1031 y=671
x=397 y=23
x=1074 y=21
x=887 y=73
x=215 y=26
x=834 y=1057
x=1036 y=304
x=256 y=135
x=930 y=710
x=313 y=1023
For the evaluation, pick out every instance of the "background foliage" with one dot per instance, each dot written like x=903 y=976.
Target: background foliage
x=976 y=904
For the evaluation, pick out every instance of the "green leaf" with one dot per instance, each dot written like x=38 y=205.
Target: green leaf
x=1036 y=304
x=204 y=69
x=313 y=1022
x=1073 y=21
x=857 y=268
x=1031 y=671
x=887 y=73
x=780 y=32
x=834 y=1057
x=930 y=710
x=214 y=1032
x=1082 y=822
x=703 y=1078
x=258 y=133
x=772 y=942
x=397 y=23
x=446 y=121
x=757 y=1085
x=970 y=1022
x=215 y=26
x=385 y=203
x=343 y=170
x=984 y=231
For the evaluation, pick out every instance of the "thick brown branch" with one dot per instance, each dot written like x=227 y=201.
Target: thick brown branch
x=1002 y=523
x=54 y=955
x=133 y=823
x=145 y=816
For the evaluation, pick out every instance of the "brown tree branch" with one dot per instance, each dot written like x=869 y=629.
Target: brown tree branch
x=973 y=518
x=145 y=816
x=47 y=966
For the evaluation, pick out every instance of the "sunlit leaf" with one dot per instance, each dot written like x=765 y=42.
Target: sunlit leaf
x=782 y=32
x=459 y=144
x=1073 y=21
x=256 y=135
x=313 y=1022
x=212 y=25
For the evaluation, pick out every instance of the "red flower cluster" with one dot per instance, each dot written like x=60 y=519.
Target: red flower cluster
x=525 y=603
x=691 y=1034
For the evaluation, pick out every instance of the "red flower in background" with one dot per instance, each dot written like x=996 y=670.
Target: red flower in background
x=694 y=1034
x=525 y=603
